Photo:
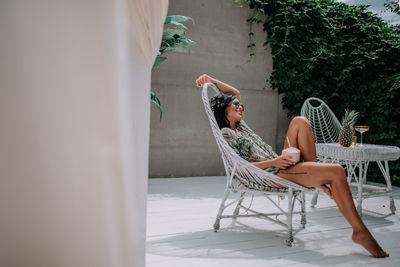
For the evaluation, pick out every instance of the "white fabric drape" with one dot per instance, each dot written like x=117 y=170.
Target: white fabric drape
x=74 y=136
x=145 y=18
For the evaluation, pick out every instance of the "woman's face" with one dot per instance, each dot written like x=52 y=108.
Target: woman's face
x=234 y=112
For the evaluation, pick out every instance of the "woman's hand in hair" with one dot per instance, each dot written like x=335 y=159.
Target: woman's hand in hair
x=223 y=87
x=283 y=162
x=204 y=79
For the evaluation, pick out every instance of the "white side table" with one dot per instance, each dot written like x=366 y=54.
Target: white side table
x=359 y=157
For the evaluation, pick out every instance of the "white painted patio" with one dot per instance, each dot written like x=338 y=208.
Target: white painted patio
x=181 y=213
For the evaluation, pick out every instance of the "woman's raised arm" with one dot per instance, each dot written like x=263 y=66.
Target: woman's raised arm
x=223 y=87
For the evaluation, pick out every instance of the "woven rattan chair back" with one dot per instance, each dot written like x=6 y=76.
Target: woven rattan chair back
x=325 y=125
x=240 y=169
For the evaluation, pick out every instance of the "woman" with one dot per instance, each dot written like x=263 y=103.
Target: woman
x=228 y=110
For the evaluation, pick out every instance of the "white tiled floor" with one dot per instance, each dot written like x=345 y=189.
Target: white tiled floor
x=181 y=213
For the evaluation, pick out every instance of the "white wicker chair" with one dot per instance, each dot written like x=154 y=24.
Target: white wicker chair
x=325 y=125
x=244 y=177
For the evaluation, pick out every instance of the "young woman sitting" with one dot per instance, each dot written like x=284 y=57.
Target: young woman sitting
x=331 y=178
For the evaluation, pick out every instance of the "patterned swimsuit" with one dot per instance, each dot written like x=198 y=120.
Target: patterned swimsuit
x=249 y=145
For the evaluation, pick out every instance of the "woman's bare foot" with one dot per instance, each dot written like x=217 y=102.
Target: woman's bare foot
x=365 y=239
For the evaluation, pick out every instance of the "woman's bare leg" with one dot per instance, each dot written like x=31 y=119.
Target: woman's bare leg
x=312 y=174
x=301 y=136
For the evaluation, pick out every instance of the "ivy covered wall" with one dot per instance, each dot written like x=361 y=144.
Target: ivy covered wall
x=342 y=54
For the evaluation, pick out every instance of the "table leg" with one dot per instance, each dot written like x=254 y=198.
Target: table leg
x=365 y=172
x=386 y=174
x=351 y=171
x=362 y=176
x=359 y=181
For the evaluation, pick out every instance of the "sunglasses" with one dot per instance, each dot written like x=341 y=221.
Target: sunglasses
x=237 y=104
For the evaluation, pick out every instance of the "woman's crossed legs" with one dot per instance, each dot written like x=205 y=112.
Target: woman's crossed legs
x=312 y=174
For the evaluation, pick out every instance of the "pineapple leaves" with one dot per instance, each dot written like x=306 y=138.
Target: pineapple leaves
x=350 y=118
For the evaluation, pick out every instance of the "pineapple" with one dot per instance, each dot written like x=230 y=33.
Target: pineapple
x=347 y=131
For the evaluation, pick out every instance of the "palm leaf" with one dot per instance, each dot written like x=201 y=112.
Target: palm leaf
x=177 y=18
x=178 y=47
x=171 y=32
x=187 y=41
x=158 y=61
x=173 y=39
x=156 y=101
x=179 y=25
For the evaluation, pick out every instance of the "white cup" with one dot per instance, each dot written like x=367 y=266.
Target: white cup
x=293 y=153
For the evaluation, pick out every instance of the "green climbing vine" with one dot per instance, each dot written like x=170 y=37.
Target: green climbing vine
x=345 y=55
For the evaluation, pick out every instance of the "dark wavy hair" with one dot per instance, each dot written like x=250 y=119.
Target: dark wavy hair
x=218 y=105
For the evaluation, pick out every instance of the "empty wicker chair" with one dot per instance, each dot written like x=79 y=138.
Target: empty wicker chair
x=325 y=125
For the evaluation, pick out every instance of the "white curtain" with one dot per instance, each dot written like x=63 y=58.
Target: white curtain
x=74 y=130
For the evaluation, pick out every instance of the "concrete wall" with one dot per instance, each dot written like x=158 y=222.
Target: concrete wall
x=182 y=144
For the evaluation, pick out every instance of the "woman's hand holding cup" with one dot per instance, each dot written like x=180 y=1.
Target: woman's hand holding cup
x=283 y=162
x=293 y=153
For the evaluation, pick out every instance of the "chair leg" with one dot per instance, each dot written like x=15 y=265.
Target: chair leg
x=240 y=200
x=314 y=199
x=221 y=209
x=291 y=200
x=303 y=210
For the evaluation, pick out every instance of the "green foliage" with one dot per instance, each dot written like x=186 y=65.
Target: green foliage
x=345 y=55
x=393 y=6
x=173 y=39
x=157 y=102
